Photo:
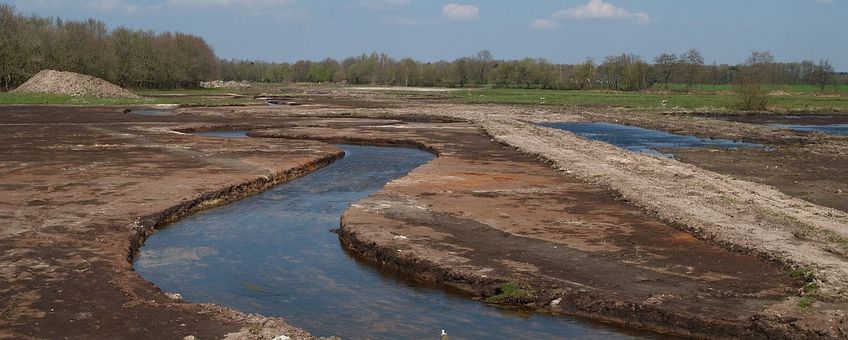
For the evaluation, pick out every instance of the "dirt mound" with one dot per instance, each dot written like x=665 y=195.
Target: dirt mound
x=72 y=84
x=220 y=84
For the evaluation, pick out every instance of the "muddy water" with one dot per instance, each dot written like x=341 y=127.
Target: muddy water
x=643 y=140
x=274 y=254
x=153 y=112
x=833 y=129
x=222 y=133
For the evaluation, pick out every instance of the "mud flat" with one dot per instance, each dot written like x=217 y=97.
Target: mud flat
x=82 y=186
x=606 y=234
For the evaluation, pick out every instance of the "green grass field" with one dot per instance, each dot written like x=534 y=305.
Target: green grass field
x=716 y=99
x=794 y=89
x=695 y=101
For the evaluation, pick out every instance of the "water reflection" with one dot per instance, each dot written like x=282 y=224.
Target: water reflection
x=643 y=140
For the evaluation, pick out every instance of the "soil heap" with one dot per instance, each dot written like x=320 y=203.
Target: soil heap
x=220 y=84
x=73 y=84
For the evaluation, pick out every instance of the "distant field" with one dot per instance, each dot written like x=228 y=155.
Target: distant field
x=795 y=89
x=705 y=98
x=37 y=98
x=645 y=100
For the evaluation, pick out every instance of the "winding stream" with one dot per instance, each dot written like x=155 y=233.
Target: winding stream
x=274 y=254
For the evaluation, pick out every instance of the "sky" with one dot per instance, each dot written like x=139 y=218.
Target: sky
x=562 y=31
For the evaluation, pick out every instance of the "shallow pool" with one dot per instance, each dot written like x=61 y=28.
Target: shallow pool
x=223 y=133
x=643 y=140
x=833 y=129
x=275 y=254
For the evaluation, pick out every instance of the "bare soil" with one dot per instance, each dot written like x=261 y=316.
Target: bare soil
x=81 y=188
x=579 y=227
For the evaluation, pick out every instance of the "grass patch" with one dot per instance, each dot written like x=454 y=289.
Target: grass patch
x=810 y=290
x=802 y=273
x=805 y=302
x=512 y=292
x=697 y=100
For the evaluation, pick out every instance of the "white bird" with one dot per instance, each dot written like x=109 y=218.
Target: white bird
x=444 y=335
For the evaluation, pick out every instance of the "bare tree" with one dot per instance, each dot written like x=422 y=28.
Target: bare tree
x=754 y=74
x=821 y=74
x=664 y=64
x=694 y=62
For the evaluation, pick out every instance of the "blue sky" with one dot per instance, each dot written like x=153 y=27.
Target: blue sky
x=559 y=30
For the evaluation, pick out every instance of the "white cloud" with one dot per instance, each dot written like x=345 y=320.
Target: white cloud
x=598 y=9
x=381 y=5
x=460 y=12
x=544 y=24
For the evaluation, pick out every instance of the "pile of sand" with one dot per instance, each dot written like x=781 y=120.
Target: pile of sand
x=220 y=84
x=72 y=84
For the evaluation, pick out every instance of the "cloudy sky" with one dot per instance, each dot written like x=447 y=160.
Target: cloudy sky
x=559 y=30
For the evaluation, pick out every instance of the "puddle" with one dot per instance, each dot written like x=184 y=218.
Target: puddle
x=643 y=140
x=833 y=129
x=153 y=112
x=274 y=254
x=834 y=124
x=223 y=133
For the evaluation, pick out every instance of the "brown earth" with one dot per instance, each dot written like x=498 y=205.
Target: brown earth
x=83 y=185
x=817 y=178
x=813 y=169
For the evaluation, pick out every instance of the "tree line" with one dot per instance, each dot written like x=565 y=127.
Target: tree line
x=130 y=58
x=626 y=72
x=145 y=59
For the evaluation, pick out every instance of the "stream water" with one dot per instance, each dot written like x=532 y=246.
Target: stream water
x=643 y=140
x=274 y=254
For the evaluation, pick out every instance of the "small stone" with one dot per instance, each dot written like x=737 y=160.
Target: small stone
x=282 y=337
x=190 y=337
x=556 y=302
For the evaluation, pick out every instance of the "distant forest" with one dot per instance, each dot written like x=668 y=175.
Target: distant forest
x=145 y=59
x=130 y=58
